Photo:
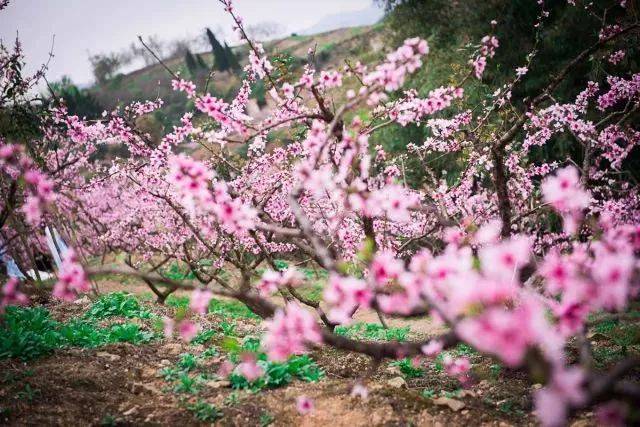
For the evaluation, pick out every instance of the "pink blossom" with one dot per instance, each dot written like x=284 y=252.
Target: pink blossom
x=289 y=332
x=304 y=405
x=432 y=348
x=11 y=295
x=188 y=330
x=72 y=278
x=249 y=367
x=612 y=414
x=503 y=260
x=200 y=299
x=359 y=390
x=288 y=90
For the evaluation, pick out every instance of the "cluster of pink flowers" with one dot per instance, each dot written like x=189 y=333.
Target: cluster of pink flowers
x=620 y=89
x=564 y=192
x=11 y=295
x=185 y=86
x=330 y=79
x=72 y=278
x=391 y=74
x=289 y=332
x=200 y=299
x=38 y=187
x=271 y=280
x=488 y=47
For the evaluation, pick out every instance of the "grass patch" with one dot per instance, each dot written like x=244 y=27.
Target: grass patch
x=117 y=304
x=407 y=369
x=233 y=309
x=29 y=333
x=373 y=332
x=204 y=411
x=276 y=374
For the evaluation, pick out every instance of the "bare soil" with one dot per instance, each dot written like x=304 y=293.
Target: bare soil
x=120 y=385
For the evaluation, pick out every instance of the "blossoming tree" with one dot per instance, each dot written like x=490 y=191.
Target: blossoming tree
x=513 y=257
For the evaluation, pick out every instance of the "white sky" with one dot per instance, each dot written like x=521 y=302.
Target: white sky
x=97 y=26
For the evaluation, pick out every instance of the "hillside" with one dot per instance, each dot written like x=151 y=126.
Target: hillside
x=332 y=48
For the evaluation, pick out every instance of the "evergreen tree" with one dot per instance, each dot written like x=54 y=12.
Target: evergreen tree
x=192 y=64
x=219 y=54
x=232 y=58
x=201 y=62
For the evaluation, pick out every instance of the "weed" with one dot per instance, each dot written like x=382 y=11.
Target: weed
x=28 y=393
x=187 y=362
x=232 y=399
x=228 y=328
x=30 y=332
x=204 y=411
x=407 y=369
x=232 y=309
x=280 y=374
x=373 y=332
x=428 y=393
x=187 y=384
x=108 y=421
x=266 y=419
x=117 y=304
x=203 y=337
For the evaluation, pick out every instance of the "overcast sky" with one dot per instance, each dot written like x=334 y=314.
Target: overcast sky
x=97 y=26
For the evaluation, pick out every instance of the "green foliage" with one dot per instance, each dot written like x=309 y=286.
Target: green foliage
x=280 y=374
x=373 y=332
x=266 y=419
x=204 y=411
x=29 y=333
x=203 y=337
x=407 y=369
x=220 y=55
x=79 y=102
x=226 y=308
x=187 y=384
x=117 y=304
x=178 y=272
x=187 y=362
x=429 y=393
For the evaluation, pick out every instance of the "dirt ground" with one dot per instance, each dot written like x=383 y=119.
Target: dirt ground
x=120 y=385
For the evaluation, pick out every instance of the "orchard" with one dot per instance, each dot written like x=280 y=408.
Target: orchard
x=522 y=258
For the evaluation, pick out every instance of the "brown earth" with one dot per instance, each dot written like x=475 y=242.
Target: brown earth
x=120 y=385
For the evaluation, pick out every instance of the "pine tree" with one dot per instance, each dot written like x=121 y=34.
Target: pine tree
x=201 y=62
x=191 y=62
x=232 y=58
x=219 y=54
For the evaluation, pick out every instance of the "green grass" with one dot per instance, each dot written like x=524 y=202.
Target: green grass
x=233 y=309
x=276 y=374
x=204 y=411
x=117 y=304
x=280 y=374
x=373 y=332
x=407 y=369
x=29 y=333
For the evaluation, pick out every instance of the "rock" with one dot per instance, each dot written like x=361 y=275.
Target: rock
x=83 y=301
x=218 y=384
x=130 y=411
x=164 y=362
x=467 y=393
x=397 y=382
x=453 y=404
x=111 y=357
x=139 y=388
x=149 y=372
x=596 y=336
x=393 y=370
x=171 y=348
